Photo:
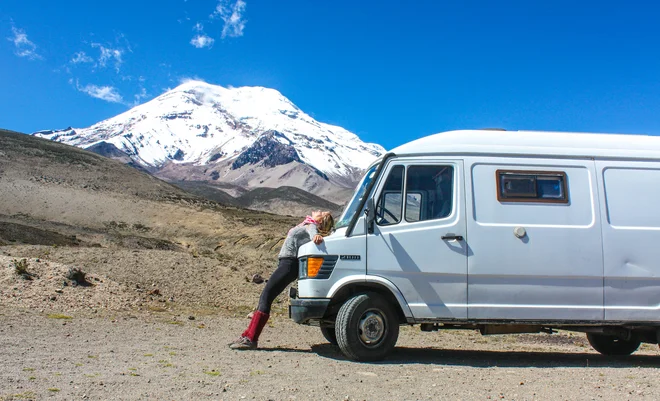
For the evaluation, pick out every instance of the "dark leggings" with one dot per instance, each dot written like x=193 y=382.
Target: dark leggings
x=285 y=274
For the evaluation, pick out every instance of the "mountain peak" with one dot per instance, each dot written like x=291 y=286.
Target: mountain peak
x=199 y=124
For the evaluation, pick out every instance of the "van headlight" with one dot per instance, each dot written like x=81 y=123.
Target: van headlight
x=319 y=267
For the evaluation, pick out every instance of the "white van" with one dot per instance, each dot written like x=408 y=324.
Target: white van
x=504 y=232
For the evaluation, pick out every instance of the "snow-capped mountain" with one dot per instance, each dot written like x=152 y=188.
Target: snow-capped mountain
x=249 y=136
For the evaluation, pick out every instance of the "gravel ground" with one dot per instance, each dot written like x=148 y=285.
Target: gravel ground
x=124 y=355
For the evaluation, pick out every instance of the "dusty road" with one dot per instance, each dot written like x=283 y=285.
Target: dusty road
x=164 y=356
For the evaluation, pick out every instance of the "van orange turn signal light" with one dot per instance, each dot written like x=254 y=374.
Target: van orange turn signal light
x=313 y=266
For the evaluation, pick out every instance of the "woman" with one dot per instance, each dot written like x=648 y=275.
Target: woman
x=313 y=228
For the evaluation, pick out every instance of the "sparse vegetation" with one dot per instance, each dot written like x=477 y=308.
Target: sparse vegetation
x=212 y=372
x=116 y=225
x=28 y=395
x=21 y=268
x=58 y=316
x=140 y=227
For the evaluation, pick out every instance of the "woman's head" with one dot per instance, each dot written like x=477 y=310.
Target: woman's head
x=326 y=223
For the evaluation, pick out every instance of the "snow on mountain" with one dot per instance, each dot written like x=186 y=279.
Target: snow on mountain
x=199 y=124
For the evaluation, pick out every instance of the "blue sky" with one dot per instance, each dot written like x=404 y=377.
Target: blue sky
x=390 y=71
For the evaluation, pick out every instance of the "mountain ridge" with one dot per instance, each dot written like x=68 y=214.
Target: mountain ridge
x=230 y=135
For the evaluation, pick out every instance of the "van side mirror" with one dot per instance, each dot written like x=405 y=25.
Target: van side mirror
x=370 y=213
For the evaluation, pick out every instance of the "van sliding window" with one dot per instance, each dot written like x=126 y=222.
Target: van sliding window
x=531 y=186
x=429 y=192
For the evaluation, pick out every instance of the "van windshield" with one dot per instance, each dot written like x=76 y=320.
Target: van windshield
x=351 y=208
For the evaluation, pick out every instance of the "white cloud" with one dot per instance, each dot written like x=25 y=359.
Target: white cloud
x=198 y=27
x=231 y=12
x=109 y=55
x=24 y=47
x=81 y=57
x=201 y=41
x=107 y=93
x=140 y=96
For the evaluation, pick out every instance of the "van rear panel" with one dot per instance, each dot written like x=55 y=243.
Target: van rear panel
x=630 y=200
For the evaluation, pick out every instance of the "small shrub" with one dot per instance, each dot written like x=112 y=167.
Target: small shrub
x=21 y=268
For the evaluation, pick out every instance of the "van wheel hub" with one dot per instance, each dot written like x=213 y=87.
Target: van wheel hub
x=371 y=327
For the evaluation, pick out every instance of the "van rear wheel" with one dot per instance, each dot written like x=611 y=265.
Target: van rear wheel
x=329 y=334
x=612 y=345
x=367 y=327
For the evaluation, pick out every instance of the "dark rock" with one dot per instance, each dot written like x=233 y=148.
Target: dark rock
x=216 y=157
x=77 y=276
x=257 y=279
x=106 y=149
x=269 y=150
x=178 y=155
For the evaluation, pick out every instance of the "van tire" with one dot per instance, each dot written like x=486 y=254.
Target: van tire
x=366 y=311
x=612 y=345
x=329 y=334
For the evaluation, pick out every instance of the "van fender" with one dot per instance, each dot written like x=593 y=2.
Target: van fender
x=380 y=281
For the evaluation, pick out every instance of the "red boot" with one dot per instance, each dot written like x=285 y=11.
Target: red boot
x=250 y=336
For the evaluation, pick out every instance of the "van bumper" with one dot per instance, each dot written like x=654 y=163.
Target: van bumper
x=302 y=310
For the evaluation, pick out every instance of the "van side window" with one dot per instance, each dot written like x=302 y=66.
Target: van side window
x=390 y=203
x=429 y=192
x=532 y=186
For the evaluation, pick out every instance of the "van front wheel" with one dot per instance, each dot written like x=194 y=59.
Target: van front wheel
x=612 y=345
x=366 y=327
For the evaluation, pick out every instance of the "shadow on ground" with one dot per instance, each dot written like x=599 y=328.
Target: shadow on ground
x=489 y=359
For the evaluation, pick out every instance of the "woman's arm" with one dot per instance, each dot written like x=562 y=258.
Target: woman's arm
x=313 y=234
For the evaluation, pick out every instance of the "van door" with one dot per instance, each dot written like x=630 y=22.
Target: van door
x=536 y=247
x=419 y=235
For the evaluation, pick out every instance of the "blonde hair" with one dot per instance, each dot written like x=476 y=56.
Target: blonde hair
x=326 y=225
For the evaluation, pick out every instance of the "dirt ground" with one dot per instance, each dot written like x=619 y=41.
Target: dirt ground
x=114 y=338
x=170 y=356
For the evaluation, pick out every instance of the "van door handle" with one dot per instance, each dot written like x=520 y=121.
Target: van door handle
x=450 y=237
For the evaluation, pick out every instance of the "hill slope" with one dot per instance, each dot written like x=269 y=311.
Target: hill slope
x=130 y=228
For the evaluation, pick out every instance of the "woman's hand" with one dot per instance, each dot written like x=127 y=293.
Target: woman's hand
x=317 y=239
